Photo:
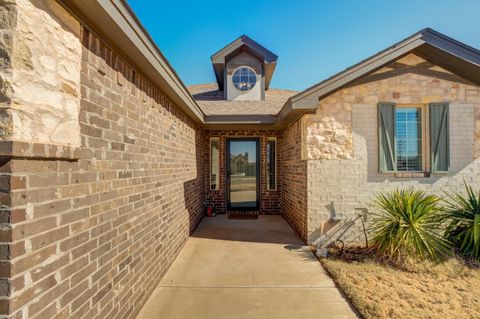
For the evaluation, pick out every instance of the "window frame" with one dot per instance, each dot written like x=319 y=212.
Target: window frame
x=267 y=164
x=217 y=184
x=246 y=67
x=425 y=137
x=427 y=161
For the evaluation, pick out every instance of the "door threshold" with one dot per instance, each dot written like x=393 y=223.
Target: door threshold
x=243 y=215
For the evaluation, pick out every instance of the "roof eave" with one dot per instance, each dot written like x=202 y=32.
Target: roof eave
x=115 y=22
x=241 y=121
x=343 y=78
x=290 y=112
x=424 y=38
x=268 y=55
x=287 y=115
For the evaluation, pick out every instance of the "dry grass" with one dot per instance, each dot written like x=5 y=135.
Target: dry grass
x=379 y=288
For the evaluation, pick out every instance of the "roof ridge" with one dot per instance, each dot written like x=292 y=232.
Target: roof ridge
x=245 y=39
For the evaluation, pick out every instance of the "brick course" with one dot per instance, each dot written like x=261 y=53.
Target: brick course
x=91 y=230
x=294 y=186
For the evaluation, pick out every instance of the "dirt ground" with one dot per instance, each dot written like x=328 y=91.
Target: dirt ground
x=381 y=289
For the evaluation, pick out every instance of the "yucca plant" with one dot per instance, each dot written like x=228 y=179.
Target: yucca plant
x=463 y=213
x=407 y=223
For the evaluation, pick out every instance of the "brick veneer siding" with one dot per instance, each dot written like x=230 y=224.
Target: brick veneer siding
x=294 y=181
x=91 y=234
x=352 y=181
x=269 y=199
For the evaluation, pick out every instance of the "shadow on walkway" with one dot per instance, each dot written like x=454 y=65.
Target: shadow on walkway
x=265 y=229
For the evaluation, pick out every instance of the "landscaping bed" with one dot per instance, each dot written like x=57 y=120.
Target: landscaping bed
x=379 y=287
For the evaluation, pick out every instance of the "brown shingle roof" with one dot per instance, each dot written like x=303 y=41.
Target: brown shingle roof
x=212 y=102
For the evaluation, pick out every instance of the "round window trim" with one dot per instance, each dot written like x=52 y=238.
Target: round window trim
x=244 y=78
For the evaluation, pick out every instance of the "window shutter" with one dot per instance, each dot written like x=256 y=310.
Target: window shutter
x=387 y=161
x=439 y=137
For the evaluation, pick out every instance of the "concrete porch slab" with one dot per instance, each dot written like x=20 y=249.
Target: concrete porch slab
x=246 y=269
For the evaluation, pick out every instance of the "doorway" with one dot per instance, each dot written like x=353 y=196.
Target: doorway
x=243 y=173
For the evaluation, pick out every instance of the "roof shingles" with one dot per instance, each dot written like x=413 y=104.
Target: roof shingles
x=212 y=101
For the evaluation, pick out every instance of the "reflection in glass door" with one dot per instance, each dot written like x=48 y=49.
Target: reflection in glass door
x=242 y=173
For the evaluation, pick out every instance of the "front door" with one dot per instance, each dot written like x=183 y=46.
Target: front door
x=243 y=158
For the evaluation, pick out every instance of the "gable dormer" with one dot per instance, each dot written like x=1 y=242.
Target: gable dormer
x=243 y=69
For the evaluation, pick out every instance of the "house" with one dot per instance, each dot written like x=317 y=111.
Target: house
x=108 y=160
x=405 y=116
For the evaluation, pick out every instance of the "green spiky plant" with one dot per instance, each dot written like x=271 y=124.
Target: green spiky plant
x=463 y=213
x=407 y=223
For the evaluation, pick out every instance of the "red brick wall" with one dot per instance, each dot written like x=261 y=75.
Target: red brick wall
x=91 y=237
x=269 y=199
x=294 y=181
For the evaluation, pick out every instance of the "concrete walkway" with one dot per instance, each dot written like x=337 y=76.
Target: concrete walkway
x=245 y=269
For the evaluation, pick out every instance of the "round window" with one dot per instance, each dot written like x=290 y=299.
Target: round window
x=244 y=78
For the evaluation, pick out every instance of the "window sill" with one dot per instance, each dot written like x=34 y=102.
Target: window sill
x=411 y=174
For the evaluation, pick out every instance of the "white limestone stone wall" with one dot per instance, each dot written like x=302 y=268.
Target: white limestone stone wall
x=40 y=73
x=327 y=138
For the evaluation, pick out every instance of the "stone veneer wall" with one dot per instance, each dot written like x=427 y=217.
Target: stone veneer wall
x=346 y=172
x=88 y=231
x=269 y=199
x=294 y=185
x=40 y=74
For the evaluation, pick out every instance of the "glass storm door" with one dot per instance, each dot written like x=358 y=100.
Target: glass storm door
x=243 y=173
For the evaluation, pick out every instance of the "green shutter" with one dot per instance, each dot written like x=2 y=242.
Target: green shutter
x=439 y=137
x=387 y=161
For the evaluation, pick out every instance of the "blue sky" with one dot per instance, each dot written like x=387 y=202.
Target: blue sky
x=313 y=39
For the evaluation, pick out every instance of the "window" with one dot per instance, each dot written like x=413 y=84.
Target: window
x=405 y=140
x=244 y=78
x=408 y=138
x=214 y=163
x=271 y=164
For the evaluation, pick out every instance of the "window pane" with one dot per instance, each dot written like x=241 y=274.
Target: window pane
x=271 y=165
x=244 y=78
x=214 y=163
x=408 y=135
x=401 y=115
x=413 y=116
x=243 y=173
